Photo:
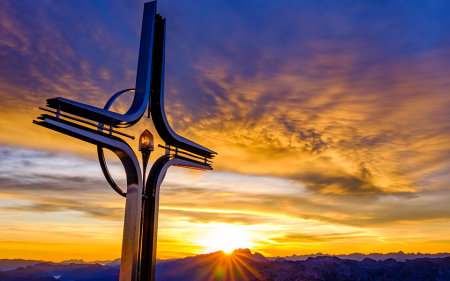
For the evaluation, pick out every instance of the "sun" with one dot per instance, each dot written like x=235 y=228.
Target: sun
x=226 y=237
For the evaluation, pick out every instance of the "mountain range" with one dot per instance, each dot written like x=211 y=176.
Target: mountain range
x=242 y=264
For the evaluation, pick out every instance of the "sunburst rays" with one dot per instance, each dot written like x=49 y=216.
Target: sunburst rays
x=236 y=266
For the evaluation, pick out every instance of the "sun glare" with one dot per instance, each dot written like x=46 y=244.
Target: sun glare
x=226 y=237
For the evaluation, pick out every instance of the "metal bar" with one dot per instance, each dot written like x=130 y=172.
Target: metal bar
x=150 y=210
x=176 y=150
x=144 y=68
x=109 y=179
x=159 y=118
x=131 y=228
x=86 y=122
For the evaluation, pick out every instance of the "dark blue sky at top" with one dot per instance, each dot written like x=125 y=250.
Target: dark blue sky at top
x=249 y=36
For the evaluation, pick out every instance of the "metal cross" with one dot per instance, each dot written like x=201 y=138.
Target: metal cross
x=100 y=126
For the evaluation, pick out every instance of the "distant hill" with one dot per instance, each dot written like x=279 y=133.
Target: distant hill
x=30 y=273
x=399 y=256
x=242 y=264
x=62 y=272
x=8 y=264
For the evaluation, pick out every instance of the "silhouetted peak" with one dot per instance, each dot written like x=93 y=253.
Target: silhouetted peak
x=242 y=252
x=29 y=273
x=208 y=256
x=115 y=262
x=390 y=260
x=324 y=259
x=217 y=253
x=259 y=257
x=246 y=253
x=72 y=261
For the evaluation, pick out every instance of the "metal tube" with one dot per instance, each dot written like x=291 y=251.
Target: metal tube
x=85 y=122
x=150 y=210
x=176 y=150
x=131 y=228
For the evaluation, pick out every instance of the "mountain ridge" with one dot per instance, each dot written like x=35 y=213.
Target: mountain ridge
x=242 y=264
x=9 y=264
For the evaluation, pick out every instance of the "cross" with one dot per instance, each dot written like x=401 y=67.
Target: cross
x=102 y=127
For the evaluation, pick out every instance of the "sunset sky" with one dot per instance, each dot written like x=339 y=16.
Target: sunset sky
x=331 y=120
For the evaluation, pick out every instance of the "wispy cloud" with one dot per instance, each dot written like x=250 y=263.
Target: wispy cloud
x=194 y=203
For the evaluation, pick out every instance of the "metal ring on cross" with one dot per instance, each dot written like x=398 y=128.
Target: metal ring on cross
x=101 y=156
